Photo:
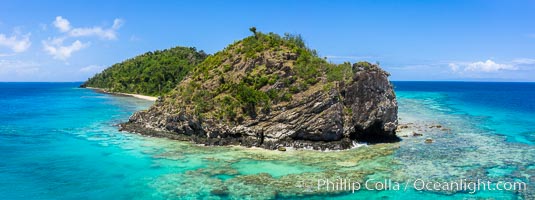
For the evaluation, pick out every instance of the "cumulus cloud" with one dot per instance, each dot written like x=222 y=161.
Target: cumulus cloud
x=58 y=50
x=454 y=67
x=63 y=25
x=481 y=66
x=488 y=66
x=16 y=42
x=108 y=34
x=117 y=23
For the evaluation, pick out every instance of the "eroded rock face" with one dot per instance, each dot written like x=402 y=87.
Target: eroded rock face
x=374 y=107
x=364 y=109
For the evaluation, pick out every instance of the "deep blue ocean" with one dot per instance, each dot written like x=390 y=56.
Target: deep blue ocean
x=504 y=108
x=58 y=141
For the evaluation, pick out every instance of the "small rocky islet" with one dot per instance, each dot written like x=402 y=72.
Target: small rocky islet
x=266 y=91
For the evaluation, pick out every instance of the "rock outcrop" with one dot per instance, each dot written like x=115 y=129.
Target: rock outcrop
x=226 y=101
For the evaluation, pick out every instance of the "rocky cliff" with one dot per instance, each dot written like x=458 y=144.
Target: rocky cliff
x=271 y=91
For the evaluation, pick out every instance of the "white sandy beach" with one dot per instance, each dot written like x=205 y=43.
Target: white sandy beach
x=148 y=98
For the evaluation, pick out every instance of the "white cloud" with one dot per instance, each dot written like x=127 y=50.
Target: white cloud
x=480 y=66
x=117 y=23
x=62 y=24
x=6 y=54
x=59 y=51
x=91 y=69
x=454 y=67
x=488 y=66
x=524 y=61
x=134 y=38
x=351 y=58
x=109 y=34
x=18 y=67
x=17 y=43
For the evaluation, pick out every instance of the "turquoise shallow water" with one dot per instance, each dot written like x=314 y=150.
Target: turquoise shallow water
x=61 y=142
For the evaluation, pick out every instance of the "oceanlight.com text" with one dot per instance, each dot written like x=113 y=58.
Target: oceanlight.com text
x=460 y=185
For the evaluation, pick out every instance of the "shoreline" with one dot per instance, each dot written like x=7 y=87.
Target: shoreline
x=139 y=96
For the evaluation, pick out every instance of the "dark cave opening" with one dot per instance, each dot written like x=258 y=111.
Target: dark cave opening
x=374 y=134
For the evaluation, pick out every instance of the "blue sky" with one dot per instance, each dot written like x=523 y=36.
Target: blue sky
x=414 y=40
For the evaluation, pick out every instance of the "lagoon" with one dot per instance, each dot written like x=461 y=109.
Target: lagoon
x=58 y=141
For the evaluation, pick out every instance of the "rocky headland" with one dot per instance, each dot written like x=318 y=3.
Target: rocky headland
x=272 y=91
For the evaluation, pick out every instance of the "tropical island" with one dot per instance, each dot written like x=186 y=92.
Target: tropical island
x=186 y=100
x=152 y=73
x=266 y=90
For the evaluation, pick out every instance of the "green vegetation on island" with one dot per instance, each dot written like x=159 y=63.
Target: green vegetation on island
x=243 y=80
x=152 y=73
x=269 y=91
x=253 y=74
